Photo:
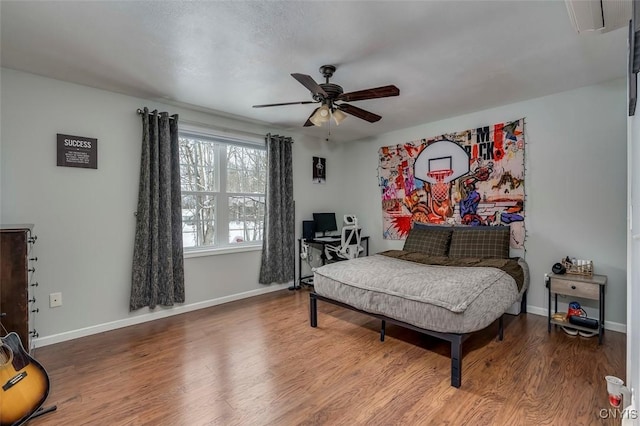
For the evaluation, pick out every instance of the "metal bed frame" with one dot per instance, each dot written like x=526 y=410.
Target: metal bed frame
x=455 y=339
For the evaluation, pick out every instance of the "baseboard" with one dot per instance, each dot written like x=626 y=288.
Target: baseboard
x=151 y=316
x=608 y=325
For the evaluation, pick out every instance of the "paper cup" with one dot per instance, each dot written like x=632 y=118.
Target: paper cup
x=614 y=388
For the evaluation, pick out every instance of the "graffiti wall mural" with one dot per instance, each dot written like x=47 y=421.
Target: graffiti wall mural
x=474 y=177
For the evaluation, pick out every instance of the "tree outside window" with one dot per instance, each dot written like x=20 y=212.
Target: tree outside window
x=223 y=191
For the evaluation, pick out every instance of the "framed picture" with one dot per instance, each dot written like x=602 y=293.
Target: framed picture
x=319 y=170
x=76 y=151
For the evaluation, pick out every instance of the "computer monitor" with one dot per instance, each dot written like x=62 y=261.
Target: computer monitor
x=325 y=222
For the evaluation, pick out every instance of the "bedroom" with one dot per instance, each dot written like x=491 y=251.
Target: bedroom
x=84 y=219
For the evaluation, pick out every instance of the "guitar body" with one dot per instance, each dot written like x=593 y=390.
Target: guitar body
x=24 y=383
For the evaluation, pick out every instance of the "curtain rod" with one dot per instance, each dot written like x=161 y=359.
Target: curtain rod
x=139 y=111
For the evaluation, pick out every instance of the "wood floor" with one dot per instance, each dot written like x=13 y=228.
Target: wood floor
x=258 y=362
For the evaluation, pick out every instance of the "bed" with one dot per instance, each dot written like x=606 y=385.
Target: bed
x=447 y=282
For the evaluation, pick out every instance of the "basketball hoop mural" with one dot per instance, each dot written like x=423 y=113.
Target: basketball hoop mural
x=474 y=177
x=438 y=164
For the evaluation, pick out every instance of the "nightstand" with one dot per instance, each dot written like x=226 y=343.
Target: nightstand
x=579 y=286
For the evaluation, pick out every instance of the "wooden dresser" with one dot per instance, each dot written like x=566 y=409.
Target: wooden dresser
x=17 y=273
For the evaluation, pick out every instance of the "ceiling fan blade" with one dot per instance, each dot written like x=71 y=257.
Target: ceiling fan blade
x=378 y=92
x=310 y=84
x=285 y=103
x=308 y=123
x=359 y=112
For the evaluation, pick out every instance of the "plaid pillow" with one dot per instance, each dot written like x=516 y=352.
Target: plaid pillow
x=480 y=241
x=433 y=241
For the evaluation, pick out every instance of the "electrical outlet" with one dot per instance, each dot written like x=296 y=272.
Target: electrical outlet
x=55 y=300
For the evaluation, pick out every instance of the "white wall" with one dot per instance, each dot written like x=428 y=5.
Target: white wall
x=85 y=224
x=84 y=218
x=575 y=184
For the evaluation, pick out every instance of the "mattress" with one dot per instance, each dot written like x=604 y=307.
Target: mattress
x=445 y=299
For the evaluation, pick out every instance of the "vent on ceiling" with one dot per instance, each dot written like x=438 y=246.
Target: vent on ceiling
x=598 y=16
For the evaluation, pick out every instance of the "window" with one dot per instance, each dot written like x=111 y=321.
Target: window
x=223 y=190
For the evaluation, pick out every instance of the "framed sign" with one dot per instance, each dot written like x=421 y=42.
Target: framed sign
x=319 y=170
x=77 y=151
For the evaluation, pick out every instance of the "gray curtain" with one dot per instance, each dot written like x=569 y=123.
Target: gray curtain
x=158 y=269
x=278 y=245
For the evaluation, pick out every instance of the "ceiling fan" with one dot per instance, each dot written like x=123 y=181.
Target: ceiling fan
x=329 y=94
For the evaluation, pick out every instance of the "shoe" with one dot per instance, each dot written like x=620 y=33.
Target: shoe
x=560 y=317
x=587 y=333
x=570 y=331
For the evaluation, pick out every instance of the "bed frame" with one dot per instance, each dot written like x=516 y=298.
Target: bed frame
x=454 y=339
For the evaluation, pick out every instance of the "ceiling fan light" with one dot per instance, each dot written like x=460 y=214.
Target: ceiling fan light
x=322 y=115
x=338 y=116
x=315 y=119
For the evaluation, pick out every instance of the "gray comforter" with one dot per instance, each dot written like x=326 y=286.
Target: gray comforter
x=439 y=298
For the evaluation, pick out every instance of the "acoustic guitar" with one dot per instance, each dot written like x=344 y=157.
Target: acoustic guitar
x=24 y=382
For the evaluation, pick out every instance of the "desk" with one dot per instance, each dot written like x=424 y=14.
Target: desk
x=308 y=279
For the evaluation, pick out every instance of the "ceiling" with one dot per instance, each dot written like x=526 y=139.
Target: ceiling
x=447 y=57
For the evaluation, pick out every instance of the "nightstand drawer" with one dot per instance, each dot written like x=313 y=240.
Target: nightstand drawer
x=574 y=288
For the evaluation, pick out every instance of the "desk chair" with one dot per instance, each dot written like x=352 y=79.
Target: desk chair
x=349 y=247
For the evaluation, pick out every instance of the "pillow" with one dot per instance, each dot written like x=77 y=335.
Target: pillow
x=430 y=240
x=480 y=241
